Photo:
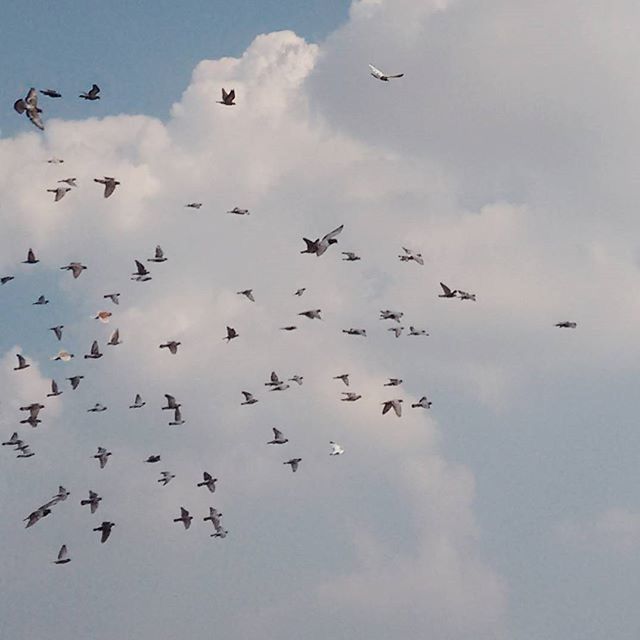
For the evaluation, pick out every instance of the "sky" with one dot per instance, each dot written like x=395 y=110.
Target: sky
x=505 y=155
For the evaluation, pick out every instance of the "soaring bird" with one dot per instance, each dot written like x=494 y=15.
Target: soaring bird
x=417 y=332
x=29 y=105
x=166 y=477
x=312 y=314
x=159 y=255
x=54 y=390
x=294 y=462
x=464 y=295
x=41 y=300
x=172 y=345
x=376 y=73
x=13 y=440
x=138 y=402
x=208 y=481
x=110 y=185
x=290 y=327
x=36 y=516
x=446 y=292
x=75 y=381
x=350 y=256
x=274 y=380
x=141 y=273
x=319 y=246
x=102 y=456
x=114 y=339
x=349 y=396
x=423 y=403
x=22 y=363
x=248 y=398
x=185 y=518
x=563 y=325
x=92 y=94
x=60 y=192
x=5 y=279
x=95 y=351
x=97 y=408
x=152 y=459
x=63 y=556
x=216 y=520
x=93 y=501
x=227 y=98
x=75 y=267
x=386 y=314
x=248 y=293
x=105 y=528
x=63 y=355
x=31 y=258
x=231 y=334
x=57 y=330
x=336 y=449
x=50 y=93
x=278 y=437
x=392 y=404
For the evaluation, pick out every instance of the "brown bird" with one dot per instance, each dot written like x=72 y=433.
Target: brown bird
x=227 y=98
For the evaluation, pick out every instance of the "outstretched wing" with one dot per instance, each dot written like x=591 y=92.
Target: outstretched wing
x=333 y=234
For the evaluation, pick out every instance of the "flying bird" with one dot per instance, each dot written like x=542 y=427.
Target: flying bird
x=152 y=459
x=114 y=339
x=65 y=356
x=317 y=246
x=349 y=396
x=95 y=351
x=355 y=332
x=41 y=300
x=63 y=555
x=227 y=98
x=239 y=212
x=393 y=382
x=417 y=332
x=231 y=334
x=248 y=293
x=110 y=185
x=396 y=330
x=193 y=205
x=350 y=256
x=54 y=390
x=386 y=314
x=159 y=255
x=177 y=418
x=165 y=478
x=22 y=363
x=171 y=402
x=105 y=528
x=72 y=182
x=75 y=381
x=423 y=403
x=5 y=279
x=563 y=325
x=208 y=481
x=31 y=258
x=290 y=327
x=172 y=345
x=114 y=297
x=141 y=274
x=29 y=105
x=446 y=292
x=274 y=380
x=464 y=295
x=50 y=93
x=75 y=267
x=36 y=516
x=97 y=408
x=278 y=437
x=336 y=449
x=57 y=330
x=344 y=377
x=299 y=292
x=92 y=94
x=297 y=379
x=385 y=77
x=248 y=398
x=410 y=255
x=60 y=192
x=294 y=462
x=185 y=518
x=312 y=314
x=392 y=404
x=103 y=316
x=137 y=403
x=102 y=456
x=93 y=501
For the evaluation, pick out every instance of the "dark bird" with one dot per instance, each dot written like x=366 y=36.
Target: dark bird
x=193 y=205
x=355 y=332
x=319 y=246
x=165 y=478
x=159 y=255
x=92 y=94
x=290 y=327
x=172 y=345
x=57 y=330
x=397 y=331
x=392 y=404
x=227 y=98
x=54 y=390
x=278 y=437
x=350 y=256
x=248 y=398
x=50 y=93
x=208 y=481
x=239 y=212
x=102 y=456
x=152 y=459
x=274 y=380
x=386 y=314
x=567 y=325
x=464 y=295
x=446 y=292
x=75 y=381
x=95 y=351
x=114 y=297
x=299 y=292
x=105 y=528
x=344 y=377
x=393 y=382
x=231 y=334
x=13 y=440
x=63 y=556
x=22 y=363
x=137 y=403
x=36 y=516
x=75 y=267
x=97 y=408
x=141 y=274
x=30 y=106
x=110 y=185
x=5 y=279
x=417 y=332
x=31 y=258
x=294 y=462
x=41 y=300
x=185 y=518
x=93 y=501
x=248 y=293
x=177 y=418
x=171 y=402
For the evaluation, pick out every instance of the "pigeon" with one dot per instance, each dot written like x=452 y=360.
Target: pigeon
x=294 y=462
x=376 y=73
x=25 y=452
x=410 y=255
x=297 y=379
x=185 y=518
x=193 y=205
x=57 y=330
x=349 y=396
x=386 y=314
x=279 y=387
x=299 y=292
x=274 y=380
x=61 y=496
x=344 y=377
x=137 y=403
x=114 y=339
x=72 y=182
x=248 y=398
x=422 y=403
x=417 y=332
x=393 y=382
x=446 y=292
x=93 y=501
x=208 y=481
x=248 y=293
x=34 y=422
x=392 y=404
x=41 y=300
x=114 y=297
x=13 y=440
x=177 y=418
x=231 y=334
x=34 y=410
x=50 y=93
x=350 y=256
x=60 y=192
x=227 y=98
x=5 y=279
x=75 y=267
x=22 y=363
x=55 y=161
x=152 y=459
x=165 y=478
x=172 y=345
x=312 y=314
x=563 y=325
x=65 y=356
x=36 y=516
x=105 y=528
x=336 y=449
x=171 y=402
x=75 y=381
x=290 y=327
x=97 y=408
x=92 y=94
x=239 y=212
x=464 y=295
x=278 y=437
x=63 y=556
x=355 y=332
x=103 y=316
x=215 y=518
x=110 y=185
x=141 y=274
x=54 y=390
x=102 y=456
x=159 y=255
x=320 y=246
x=396 y=330
x=30 y=106
x=95 y=351
x=31 y=258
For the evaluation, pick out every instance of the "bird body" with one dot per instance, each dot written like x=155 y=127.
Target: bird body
x=92 y=94
x=376 y=73
x=29 y=105
x=278 y=437
x=293 y=463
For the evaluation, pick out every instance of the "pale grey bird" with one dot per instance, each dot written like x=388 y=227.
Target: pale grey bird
x=102 y=456
x=215 y=517
x=385 y=77
x=247 y=293
x=31 y=258
x=36 y=516
x=231 y=334
x=344 y=377
x=159 y=255
x=63 y=556
x=350 y=256
x=177 y=418
x=410 y=256
x=278 y=437
x=105 y=529
x=319 y=246
x=95 y=351
x=208 y=481
x=141 y=274
x=92 y=94
x=97 y=408
x=166 y=478
x=114 y=339
x=34 y=411
x=227 y=98
x=355 y=332
x=54 y=390
x=248 y=398
x=393 y=382
x=93 y=501
x=387 y=314
x=464 y=295
x=171 y=402
x=312 y=314
x=114 y=297
x=110 y=185
x=299 y=292
x=75 y=381
x=446 y=292
x=392 y=404
x=336 y=449
x=172 y=345
x=567 y=325
x=297 y=379
x=75 y=267
x=41 y=300
x=137 y=403
x=294 y=462
x=185 y=518
x=397 y=331
x=72 y=182
x=57 y=330
x=29 y=105
x=417 y=332
x=60 y=192
x=22 y=363
x=63 y=355
x=239 y=212
x=422 y=403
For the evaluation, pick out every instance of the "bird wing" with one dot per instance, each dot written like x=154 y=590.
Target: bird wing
x=62 y=554
x=139 y=266
x=232 y=95
x=95 y=90
x=397 y=407
x=376 y=72
x=20 y=106
x=332 y=234
x=105 y=534
x=159 y=253
x=109 y=188
x=277 y=434
x=446 y=289
x=94 y=348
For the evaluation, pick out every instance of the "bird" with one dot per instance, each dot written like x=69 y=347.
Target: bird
x=278 y=437
x=13 y=440
x=55 y=161
x=355 y=332
x=344 y=377
x=72 y=182
x=185 y=518
x=93 y=501
x=312 y=314
x=95 y=351
x=410 y=255
x=54 y=390
x=50 y=93
x=114 y=339
x=349 y=396
x=102 y=456
x=227 y=98
x=274 y=380
x=36 y=516
x=215 y=518
x=396 y=330
x=297 y=379
x=171 y=402
x=177 y=418
x=103 y=316
x=392 y=404
x=165 y=478
x=152 y=459
x=34 y=410
x=25 y=452
x=75 y=381
x=417 y=332
x=193 y=205
x=5 y=279
x=92 y=94
x=31 y=258
x=60 y=192
x=231 y=334
x=159 y=255
x=97 y=408
x=446 y=292
x=75 y=267
x=248 y=293
x=290 y=327
x=299 y=292
x=422 y=403
x=105 y=528
x=114 y=297
x=65 y=356
x=350 y=256
x=63 y=556
x=336 y=449
x=386 y=314
x=110 y=185
x=22 y=363
x=208 y=481
x=317 y=246
x=137 y=402
x=141 y=274
x=294 y=462
x=279 y=387
x=567 y=325
x=57 y=330
x=172 y=345
x=248 y=398
x=376 y=73
x=41 y=300
x=393 y=382
x=464 y=295
x=29 y=105
x=239 y=212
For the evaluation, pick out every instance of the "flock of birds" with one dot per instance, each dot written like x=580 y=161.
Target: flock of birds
x=318 y=247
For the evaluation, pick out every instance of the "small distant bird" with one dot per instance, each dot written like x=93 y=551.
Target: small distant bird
x=355 y=332
x=114 y=339
x=172 y=345
x=65 y=356
x=417 y=332
x=55 y=161
x=95 y=351
x=60 y=192
x=30 y=106
x=152 y=459
x=93 y=501
x=386 y=314
x=92 y=94
x=279 y=387
x=239 y=212
x=177 y=418
x=410 y=255
x=208 y=481
x=248 y=293
x=278 y=437
x=463 y=295
x=336 y=449
x=25 y=452
x=63 y=556
x=248 y=398
x=34 y=410
x=141 y=274
x=274 y=380
x=227 y=98
x=171 y=402
x=166 y=478
x=215 y=518
x=297 y=379
x=392 y=404
x=75 y=381
x=376 y=73
x=231 y=334
x=563 y=325
x=50 y=93
x=102 y=456
x=97 y=408
x=344 y=377
x=290 y=327
x=54 y=390
x=350 y=256
x=137 y=403
x=72 y=182
x=105 y=528
x=446 y=292
x=185 y=518
x=22 y=363
x=114 y=297
x=41 y=300
x=57 y=330
x=31 y=258
x=75 y=267
x=312 y=314
x=294 y=462
x=393 y=382
x=397 y=331
x=317 y=246
x=36 y=516
x=193 y=205
x=110 y=185
x=299 y=292
x=13 y=440
x=5 y=279
x=159 y=255
x=422 y=403
x=103 y=316
x=62 y=495
x=349 y=396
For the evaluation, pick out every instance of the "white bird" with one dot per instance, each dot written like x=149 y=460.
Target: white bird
x=423 y=403
x=65 y=356
x=376 y=73
x=319 y=246
x=336 y=449
x=166 y=477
